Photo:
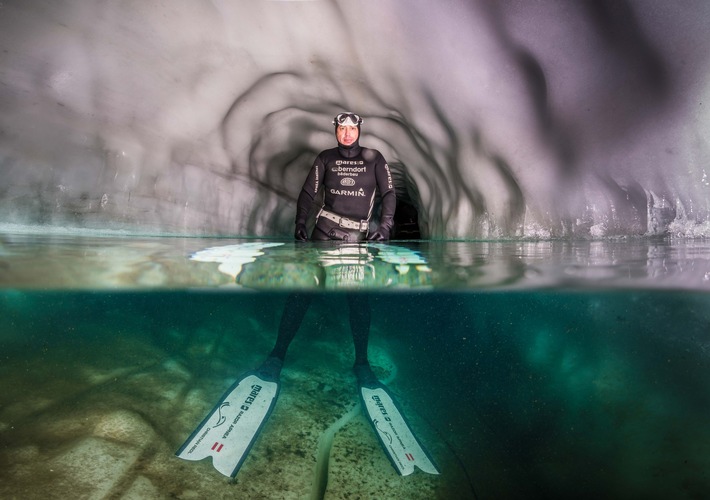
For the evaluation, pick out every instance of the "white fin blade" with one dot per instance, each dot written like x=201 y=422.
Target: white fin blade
x=394 y=433
x=232 y=426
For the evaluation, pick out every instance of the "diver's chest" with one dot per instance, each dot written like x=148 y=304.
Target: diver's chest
x=349 y=173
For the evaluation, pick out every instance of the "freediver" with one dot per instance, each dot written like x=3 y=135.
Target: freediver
x=351 y=176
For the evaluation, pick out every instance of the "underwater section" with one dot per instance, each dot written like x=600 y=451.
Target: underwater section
x=529 y=394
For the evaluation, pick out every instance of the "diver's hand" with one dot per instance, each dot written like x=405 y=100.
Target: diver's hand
x=380 y=234
x=301 y=233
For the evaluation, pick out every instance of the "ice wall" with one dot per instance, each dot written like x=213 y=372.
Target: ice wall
x=511 y=118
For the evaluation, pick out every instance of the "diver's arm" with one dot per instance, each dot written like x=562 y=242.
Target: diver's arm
x=307 y=197
x=389 y=201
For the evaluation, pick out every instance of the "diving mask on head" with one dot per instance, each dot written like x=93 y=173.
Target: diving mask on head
x=347 y=119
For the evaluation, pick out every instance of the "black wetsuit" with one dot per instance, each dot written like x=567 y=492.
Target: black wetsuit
x=351 y=177
x=295 y=309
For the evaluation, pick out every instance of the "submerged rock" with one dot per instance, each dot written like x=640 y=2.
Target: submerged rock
x=93 y=467
x=126 y=427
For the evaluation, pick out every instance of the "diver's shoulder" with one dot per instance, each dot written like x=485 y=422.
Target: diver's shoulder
x=371 y=154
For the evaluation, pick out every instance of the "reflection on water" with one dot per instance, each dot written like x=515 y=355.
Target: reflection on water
x=530 y=369
x=45 y=262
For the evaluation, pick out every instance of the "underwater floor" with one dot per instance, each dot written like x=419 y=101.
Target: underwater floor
x=584 y=388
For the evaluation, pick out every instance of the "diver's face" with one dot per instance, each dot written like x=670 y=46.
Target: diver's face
x=347 y=134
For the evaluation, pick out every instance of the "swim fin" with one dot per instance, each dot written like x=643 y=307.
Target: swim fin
x=397 y=439
x=231 y=428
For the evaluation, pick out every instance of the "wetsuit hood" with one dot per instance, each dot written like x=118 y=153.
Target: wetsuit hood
x=350 y=119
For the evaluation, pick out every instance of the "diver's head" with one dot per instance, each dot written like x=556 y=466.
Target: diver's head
x=347 y=129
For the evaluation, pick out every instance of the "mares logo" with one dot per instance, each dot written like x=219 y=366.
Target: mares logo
x=381 y=407
x=348 y=192
x=255 y=390
x=347 y=181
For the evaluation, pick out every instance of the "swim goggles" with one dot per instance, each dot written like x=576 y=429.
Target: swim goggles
x=347 y=119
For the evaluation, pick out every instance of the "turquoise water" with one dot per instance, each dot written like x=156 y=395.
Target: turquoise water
x=550 y=379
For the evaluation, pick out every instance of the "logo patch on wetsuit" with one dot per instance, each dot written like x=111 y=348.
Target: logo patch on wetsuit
x=348 y=192
x=347 y=181
x=349 y=171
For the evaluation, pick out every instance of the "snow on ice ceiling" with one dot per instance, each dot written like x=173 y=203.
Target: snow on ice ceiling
x=579 y=118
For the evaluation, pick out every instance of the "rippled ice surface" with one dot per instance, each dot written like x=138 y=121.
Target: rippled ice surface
x=528 y=369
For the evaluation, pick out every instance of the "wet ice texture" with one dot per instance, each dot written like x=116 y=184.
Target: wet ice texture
x=516 y=119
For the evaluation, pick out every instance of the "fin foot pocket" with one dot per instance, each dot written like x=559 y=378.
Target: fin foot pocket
x=270 y=369
x=365 y=376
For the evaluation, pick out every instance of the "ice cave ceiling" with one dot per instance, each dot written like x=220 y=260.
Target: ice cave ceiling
x=500 y=119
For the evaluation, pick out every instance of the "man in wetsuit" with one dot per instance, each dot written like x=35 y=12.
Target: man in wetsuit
x=351 y=176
